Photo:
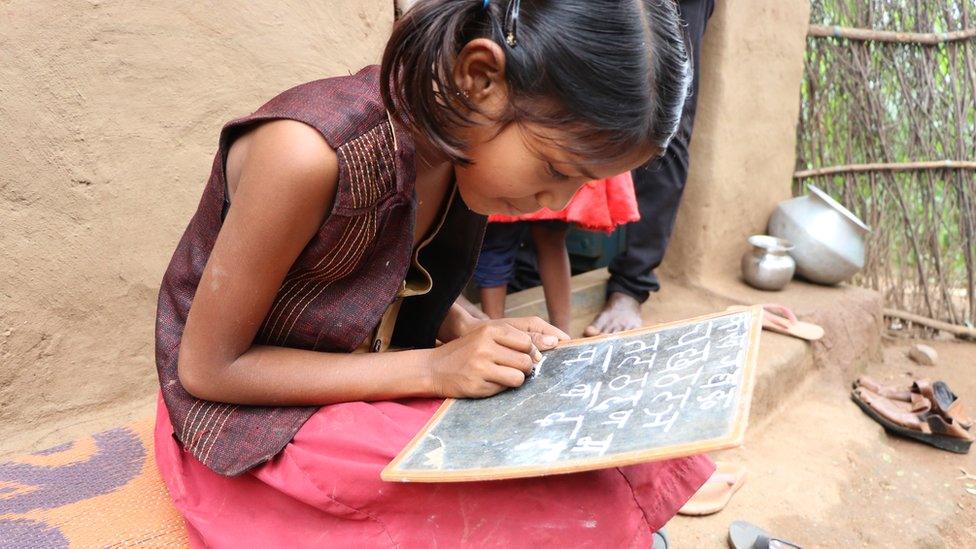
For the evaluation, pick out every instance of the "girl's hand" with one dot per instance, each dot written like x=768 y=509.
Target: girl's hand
x=491 y=357
x=460 y=322
x=545 y=336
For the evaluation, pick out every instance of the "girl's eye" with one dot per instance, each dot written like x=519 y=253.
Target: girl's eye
x=555 y=173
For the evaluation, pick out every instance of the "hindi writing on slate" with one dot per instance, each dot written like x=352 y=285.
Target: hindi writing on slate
x=680 y=389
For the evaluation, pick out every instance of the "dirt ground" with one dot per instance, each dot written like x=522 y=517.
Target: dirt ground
x=822 y=474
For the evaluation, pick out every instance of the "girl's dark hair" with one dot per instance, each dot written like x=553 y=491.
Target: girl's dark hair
x=612 y=74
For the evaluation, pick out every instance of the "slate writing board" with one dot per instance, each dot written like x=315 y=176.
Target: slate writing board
x=655 y=393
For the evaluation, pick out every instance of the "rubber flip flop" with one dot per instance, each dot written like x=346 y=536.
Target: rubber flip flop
x=717 y=491
x=798 y=329
x=943 y=442
x=743 y=535
x=661 y=540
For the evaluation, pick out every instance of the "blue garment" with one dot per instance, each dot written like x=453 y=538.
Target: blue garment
x=496 y=264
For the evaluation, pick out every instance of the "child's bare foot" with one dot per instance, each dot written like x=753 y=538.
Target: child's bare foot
x=620 y=313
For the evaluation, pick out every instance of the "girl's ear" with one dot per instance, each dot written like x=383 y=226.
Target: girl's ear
x=479 y=73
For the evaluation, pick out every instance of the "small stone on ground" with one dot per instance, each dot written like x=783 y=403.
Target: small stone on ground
x=923 y=354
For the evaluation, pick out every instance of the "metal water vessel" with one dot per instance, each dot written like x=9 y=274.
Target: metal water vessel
x=828 y=239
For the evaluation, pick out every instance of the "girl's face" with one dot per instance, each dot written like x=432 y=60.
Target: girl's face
x=514 y=171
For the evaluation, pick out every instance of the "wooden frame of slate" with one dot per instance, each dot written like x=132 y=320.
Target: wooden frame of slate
x=656 y=393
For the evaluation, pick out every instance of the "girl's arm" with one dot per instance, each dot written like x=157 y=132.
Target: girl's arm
x=284 y=177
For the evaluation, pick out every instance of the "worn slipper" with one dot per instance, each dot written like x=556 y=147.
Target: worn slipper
x=938 y=395
x=780 y=319
x=928 y=427
x=743 y=535
x=800 y=329
x=717 y=491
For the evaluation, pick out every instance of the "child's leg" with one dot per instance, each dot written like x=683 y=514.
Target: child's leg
x=550 y=248
x=493 y=301
x=496 y=265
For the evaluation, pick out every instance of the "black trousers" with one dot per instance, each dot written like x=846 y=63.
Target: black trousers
x=660 y=183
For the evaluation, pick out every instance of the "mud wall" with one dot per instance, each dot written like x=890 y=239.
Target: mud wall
x=109 y=114
x=743 y=146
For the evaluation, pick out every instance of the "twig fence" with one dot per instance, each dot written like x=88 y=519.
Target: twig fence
x=888 y=126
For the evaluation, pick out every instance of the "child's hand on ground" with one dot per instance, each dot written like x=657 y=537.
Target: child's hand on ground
x=493 y=356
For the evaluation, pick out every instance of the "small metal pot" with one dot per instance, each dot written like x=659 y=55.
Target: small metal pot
x=768 y=265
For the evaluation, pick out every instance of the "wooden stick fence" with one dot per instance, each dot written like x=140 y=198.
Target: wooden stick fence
x=888 y=167
x=888 y=127
x=872 y=35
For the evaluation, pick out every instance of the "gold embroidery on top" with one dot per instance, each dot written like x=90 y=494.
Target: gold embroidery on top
x=291 y=290
x=350 y=264
x=369 y=173
x=204 y=448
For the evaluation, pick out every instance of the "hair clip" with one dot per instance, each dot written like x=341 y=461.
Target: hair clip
x=511 y=22
x=484 y=5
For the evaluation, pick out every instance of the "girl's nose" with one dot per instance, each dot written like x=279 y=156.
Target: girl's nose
x=557 y=199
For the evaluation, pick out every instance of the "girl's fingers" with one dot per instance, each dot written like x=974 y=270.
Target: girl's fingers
x=505 y=376
x=510 y=358
x=543 y=341
x=489 y=388
x=534 y=324
x=510 y=336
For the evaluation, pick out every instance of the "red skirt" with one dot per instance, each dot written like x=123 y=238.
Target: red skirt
x=324 y=489
x=599 y=205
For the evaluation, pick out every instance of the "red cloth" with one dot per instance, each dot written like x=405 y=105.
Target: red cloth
x=599 y=205
x=324 y=490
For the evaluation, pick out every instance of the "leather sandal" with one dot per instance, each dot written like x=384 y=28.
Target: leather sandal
x=888 y=391
x=939 y=396
x=947 y=404
x=928 y=427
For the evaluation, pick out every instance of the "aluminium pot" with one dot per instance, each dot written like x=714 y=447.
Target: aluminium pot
x=828 y=240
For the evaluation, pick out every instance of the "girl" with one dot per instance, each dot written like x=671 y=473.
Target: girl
x=343 y=217
x=598 y=206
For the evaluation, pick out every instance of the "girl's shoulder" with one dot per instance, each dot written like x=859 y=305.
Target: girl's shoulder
x=374 y=157
x=341 y=108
